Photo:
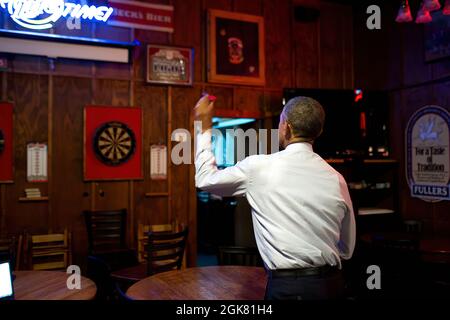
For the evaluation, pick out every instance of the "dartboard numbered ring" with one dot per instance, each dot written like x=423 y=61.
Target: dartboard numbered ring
x=114 y=143
x=2 y=141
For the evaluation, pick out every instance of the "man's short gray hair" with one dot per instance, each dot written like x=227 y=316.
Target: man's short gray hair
x=306 y=117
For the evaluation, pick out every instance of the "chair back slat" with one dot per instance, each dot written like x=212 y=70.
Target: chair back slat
x=106 y=230
x=142 y=237
x=165 y=250
x=50 y=251
x=11 y=250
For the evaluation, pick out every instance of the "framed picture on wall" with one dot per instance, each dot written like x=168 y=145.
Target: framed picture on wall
x=6 y=143
x=170 y=65
x=112 y=143
x=437 y=37
x=235 y=48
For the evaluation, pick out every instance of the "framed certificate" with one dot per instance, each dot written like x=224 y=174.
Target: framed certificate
x=169 y=65
x=235 y=48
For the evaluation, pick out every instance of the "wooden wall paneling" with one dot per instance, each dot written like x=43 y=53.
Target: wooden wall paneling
x=346 y=17
x=305 y=45
x=70 y=195
x=169 y=147
x=254 y=7
x=70 y=67
x=193 y=37
x=440 y=69
x=331 y=46
x=226 y=5
x=27 y=64
x=111 y=70
x=371 y=58
x=3 y=84
x=3 y=230
x=29 y=94
x=184 y=196
x=278 y=18
x=441 y=94
x=111 y=92
x=153 y=101
x=224 y=96
x=415 y=69
x=250 y=100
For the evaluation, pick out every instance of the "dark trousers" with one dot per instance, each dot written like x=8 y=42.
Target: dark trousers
x=308 y=287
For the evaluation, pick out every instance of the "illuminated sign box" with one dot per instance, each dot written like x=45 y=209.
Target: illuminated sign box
x=43 y=14
x=57 y=46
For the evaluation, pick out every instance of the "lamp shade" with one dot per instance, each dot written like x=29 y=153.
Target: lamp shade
x=446 y=9
x=431 y=5
x=423 y=15
x=404 y=12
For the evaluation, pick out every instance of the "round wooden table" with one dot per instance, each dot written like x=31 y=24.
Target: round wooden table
x=205 y=283
x=50 y=285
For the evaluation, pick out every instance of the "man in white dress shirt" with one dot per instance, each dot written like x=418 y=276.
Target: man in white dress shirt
x=301 y=208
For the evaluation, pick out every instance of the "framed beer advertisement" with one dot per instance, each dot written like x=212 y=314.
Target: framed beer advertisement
x=112 y=143
x=6 y=143
x=235 y=48
x=170 y=65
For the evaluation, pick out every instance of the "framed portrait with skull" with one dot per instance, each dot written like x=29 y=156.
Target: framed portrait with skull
x=235 y=48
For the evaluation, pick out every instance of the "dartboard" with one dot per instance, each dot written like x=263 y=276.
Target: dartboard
x=114 y=143
x=2 y=141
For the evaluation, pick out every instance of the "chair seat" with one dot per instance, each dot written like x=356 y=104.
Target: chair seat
x=138 y=272
x=133 y=274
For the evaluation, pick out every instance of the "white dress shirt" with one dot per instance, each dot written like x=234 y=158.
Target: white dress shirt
x=301 y=208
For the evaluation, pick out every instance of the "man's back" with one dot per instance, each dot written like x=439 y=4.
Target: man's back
x=299 y=203
x=302 y=212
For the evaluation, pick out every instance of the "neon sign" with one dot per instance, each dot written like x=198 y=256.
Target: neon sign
x=43 y=14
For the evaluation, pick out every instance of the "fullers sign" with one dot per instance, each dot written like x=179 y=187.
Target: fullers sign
x=427 y=154
x=43 y=14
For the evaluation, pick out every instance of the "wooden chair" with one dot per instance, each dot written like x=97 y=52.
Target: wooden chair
x=11 y=250
x=239 y=256
x=142 y=238
x=165 y=250
x=50 y=251
x=107 y=238
x=106 y=230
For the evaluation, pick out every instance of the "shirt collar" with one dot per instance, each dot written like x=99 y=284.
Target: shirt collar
x=300 y=146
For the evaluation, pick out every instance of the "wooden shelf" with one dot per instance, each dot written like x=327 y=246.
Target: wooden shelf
x=156 y=194
x=378 y=161
x=374 y=211
x=40 y=199
x=366 y=161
